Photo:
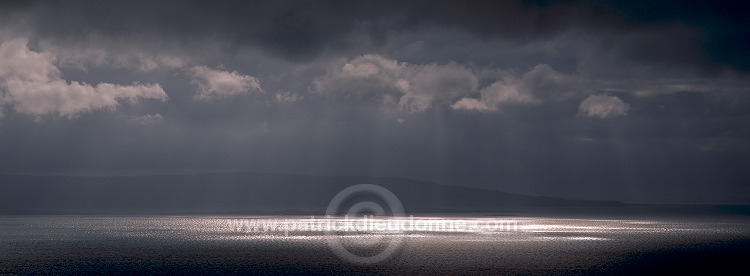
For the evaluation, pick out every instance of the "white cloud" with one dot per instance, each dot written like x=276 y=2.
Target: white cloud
x=419 y=87
x=539 y=84
x=32 y=84
x=602 y=106
x=416 y=88
x=287 y=97
x=472 y=104
x=147 y=120
x=68 y=99
x=412 y=87
x=214 y=84
x=20 y=63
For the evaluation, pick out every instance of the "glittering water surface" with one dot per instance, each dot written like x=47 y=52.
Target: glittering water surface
x=265 y=244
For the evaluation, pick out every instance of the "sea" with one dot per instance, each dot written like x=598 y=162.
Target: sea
x=411 y=245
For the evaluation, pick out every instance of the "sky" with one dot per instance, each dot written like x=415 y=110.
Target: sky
x=637 y=101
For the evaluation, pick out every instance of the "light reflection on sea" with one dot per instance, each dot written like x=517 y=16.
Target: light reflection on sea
x=516 y=229
x=518 y=243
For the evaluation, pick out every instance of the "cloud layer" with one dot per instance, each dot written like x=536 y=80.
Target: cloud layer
x=32 y=84
x=413 y=88
x=213 y=84
x=602 y=106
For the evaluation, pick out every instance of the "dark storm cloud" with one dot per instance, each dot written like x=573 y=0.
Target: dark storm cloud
x=687 y=33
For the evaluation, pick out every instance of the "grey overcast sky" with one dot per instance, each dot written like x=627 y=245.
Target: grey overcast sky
x=639 y=101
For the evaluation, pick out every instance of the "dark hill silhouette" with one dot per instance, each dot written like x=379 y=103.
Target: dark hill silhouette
x=247 y=193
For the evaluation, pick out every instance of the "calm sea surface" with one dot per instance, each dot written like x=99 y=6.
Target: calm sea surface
x=317 y=245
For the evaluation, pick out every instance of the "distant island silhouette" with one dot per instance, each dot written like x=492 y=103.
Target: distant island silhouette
x=273 y=194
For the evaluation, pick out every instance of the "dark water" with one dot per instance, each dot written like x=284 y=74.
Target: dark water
x=293 y=245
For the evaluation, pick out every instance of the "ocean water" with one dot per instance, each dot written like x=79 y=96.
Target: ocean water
x=211 y=245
